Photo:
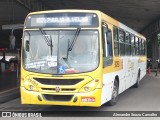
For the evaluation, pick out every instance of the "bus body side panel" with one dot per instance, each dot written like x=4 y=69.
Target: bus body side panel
x=127 y=75
x=142 y=63
x=127 y=69
x=109 y=75
x=134 y=68
x=108 y=80
x=111 y=71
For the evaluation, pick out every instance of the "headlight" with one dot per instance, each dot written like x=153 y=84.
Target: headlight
x=89 y=86
x=30 y=84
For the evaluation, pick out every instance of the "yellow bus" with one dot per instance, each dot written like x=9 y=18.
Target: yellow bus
x=79 y=58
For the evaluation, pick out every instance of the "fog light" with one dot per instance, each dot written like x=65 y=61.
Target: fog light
x=75 y=99
x=39 y=98
x=86 y=88
x=31 y=87
x=26 y=83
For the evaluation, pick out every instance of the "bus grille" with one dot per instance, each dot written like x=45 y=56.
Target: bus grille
x=63 y=89
x=58 y=81
x=57 y=97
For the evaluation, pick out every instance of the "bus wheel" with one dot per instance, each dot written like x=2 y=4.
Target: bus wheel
x=137 y=83
x=114 y=98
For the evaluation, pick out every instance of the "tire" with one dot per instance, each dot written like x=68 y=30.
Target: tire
x=136 y=85
x=114 y=98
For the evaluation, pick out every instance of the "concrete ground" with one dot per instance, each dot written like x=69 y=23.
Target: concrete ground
x=9 y=86
x=8 y=81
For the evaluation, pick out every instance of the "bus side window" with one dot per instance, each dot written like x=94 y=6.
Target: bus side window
x=107 y=47
x=109 y=43
x=122 y=42
x=116 y=41
x=104 y=31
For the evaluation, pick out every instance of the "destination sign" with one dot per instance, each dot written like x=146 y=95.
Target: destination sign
x=50 y=20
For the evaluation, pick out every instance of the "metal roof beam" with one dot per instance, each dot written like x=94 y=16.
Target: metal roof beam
x=32 y=5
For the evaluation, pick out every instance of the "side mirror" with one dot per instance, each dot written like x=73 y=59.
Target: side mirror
x=27 y=45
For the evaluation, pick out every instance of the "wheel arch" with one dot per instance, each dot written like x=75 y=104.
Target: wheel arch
x=117 y=79
x=139 y=72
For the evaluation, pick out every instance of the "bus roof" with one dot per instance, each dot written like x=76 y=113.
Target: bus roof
x=103 y=16
x=66 y=10
x=120 y=25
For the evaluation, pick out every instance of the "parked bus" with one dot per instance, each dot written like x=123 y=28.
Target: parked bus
x=79 y=58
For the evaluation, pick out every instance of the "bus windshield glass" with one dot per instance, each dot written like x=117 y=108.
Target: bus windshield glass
x=61 y=51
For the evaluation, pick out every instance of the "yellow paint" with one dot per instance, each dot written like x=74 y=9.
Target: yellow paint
x=142 y=59
x=116 y=66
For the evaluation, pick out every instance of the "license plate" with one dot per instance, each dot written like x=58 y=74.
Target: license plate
x=88 y=99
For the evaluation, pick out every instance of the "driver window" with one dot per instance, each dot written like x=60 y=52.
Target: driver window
x=107 y=46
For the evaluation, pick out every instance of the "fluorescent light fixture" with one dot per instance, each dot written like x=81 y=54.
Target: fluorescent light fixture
x=12 y=26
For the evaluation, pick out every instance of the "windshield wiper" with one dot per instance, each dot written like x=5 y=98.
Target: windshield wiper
x=70 y=47
x=47 y=39
x=74 y=39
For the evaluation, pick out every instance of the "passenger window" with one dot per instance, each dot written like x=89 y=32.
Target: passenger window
x=133 y=44
x=104 y=41
x=109 y=43
x=107 y=46
x=144 y=48
x=140 y=46
x=128 y=39
x=128 y=44
x=116 y=42
x=137 y=46
x=121 y=42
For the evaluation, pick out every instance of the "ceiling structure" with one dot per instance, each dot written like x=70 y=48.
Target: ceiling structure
x=137 y=14
x=15 y=11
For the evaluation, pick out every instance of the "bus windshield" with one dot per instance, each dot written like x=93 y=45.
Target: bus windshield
x=61 y=51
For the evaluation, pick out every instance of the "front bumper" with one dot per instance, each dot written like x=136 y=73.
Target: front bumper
x=77 y=99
